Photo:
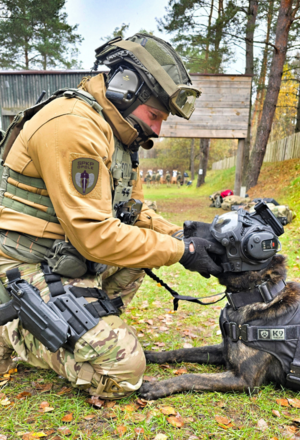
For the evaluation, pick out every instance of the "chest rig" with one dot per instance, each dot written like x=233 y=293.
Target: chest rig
x=281 y=337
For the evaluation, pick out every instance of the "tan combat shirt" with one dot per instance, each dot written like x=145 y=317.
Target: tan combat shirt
x=63 y=131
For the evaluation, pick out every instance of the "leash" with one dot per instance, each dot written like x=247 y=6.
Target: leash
x=177 y=297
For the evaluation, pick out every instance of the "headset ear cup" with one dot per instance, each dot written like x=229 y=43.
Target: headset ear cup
x=123 y=87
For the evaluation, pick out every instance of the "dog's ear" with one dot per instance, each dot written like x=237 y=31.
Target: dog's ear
x=276 y=270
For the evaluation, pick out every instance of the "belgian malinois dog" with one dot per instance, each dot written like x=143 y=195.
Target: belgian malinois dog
x=246 y=368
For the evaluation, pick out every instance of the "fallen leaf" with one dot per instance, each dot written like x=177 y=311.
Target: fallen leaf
x=193 y=437
x=275 y=412
x=23 y=395
x=13 y=371
x=149 y=379
x=180 y=371
x=3 y=382
x=95 y=401
x=138 y=417
x=262 y=425
x=33 y=435
x=139 y=431
x=46 y=409
x=129 y=408
x=42 y=388
x=282 y=402
x=50 y=431
x=274 y=438
x=161 y=437
x=176 y=421
x=89 y=417
x=290 y=429
x=141 y=403
x=109 y=415
x=141 y=335
x=230 y=425
x=160 y=344
x=64 y=390
x=44 y=404
x=187 y=345
x=120 y=430
x=149 y=321
x=64 y=430
x=165 y=366
x=109 y=403
x=67 y=418
x=290 y=416
x=5 y=402
x=295 y=403
x=3 y=437
x=168 y=410
x=222 y=420
x=188 y=419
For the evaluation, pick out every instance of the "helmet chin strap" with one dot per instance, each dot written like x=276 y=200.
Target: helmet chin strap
x=144 y=134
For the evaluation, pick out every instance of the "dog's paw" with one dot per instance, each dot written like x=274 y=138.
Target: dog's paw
x=152 y=391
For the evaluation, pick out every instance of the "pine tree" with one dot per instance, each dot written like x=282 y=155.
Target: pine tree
x=35 y=33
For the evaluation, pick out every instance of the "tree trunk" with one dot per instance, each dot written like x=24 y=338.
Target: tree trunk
x=192 y=159
x=262 y=78
x=45 y=62
x=204 y=149
x=297 y=129
x=285 y=19
x=252 y=14
x=208 y=35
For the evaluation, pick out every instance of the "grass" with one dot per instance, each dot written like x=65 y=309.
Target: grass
x=191 y=324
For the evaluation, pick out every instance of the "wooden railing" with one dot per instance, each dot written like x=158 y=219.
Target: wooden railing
x=283 y=149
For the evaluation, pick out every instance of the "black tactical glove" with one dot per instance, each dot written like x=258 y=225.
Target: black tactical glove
x=197 y=229
x=199 y=260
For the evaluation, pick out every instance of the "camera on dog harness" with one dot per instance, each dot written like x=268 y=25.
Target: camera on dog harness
x=251 y=240
x=65 y=318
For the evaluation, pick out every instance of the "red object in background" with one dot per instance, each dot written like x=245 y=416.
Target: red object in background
x=227 y=192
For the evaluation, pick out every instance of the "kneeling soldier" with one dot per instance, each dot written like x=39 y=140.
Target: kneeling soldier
x=74 y=232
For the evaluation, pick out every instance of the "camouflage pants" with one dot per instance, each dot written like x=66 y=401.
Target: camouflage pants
x=108 y=360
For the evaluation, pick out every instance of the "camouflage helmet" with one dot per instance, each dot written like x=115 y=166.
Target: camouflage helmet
x=163 y=83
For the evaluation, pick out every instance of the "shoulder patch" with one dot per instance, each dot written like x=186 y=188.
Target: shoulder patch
x=85 y=176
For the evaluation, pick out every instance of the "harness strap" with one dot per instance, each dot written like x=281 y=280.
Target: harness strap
x=54 y=281
x=264 y=292
x=103 y=307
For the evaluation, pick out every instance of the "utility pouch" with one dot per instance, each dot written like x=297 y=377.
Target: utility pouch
x=65 y=260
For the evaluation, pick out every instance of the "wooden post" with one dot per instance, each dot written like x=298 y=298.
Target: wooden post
x=239 y=167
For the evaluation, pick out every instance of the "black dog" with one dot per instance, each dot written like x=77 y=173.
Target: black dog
x=248 y=365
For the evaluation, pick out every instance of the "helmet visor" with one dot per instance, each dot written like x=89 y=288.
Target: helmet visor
x=182 y=103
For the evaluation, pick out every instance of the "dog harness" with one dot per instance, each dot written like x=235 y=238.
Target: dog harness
x=281 y=337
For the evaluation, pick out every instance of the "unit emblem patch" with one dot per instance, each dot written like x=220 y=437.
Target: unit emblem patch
x=85 y=173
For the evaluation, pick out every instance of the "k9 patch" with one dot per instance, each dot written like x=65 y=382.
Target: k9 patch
x=271 y=334
x=85 y=178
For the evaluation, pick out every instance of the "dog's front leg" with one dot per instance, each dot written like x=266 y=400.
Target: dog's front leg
x=202 y=355
x=223 y=382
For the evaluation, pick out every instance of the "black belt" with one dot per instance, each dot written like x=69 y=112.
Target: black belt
x=264 y=292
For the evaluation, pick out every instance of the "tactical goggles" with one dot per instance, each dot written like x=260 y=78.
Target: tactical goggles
x=182 y=103
x=181 y=97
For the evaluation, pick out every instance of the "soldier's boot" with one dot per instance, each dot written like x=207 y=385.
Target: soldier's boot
x=6 y=362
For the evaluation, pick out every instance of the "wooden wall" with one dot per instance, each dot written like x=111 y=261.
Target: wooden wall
x=221 y=111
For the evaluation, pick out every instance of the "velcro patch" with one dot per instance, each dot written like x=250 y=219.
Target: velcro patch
x=85 y=176
x=271 y=334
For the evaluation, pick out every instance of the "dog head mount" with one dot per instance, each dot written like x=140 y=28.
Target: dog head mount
x=251 y=240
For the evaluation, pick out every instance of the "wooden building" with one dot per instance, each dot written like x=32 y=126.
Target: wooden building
x=221 y=112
